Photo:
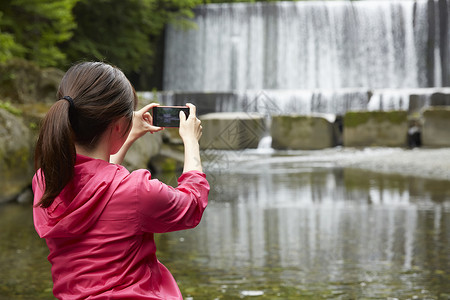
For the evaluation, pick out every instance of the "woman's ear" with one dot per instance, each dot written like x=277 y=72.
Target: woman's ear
x=119 y=134
x=120 y=126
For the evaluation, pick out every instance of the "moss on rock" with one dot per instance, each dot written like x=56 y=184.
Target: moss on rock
x=436 y=126
x=16 y=144
x=375 y=128
x=354 y=119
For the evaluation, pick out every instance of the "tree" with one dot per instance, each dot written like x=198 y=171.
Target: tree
x=9 y=48
x=32 y=29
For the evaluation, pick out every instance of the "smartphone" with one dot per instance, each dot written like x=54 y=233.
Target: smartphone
x=168 y=116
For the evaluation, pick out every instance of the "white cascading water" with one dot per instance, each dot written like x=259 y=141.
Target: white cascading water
x=311 y=56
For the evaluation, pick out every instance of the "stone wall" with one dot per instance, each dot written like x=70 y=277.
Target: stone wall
x=231 y=131
x=375 y=128
x=302 y=132
x=436 y=127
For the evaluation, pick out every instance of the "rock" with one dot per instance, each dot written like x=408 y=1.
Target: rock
x=24 y=82
x=172 y=136
x=231 y=131
x=375 y=128
x=140 y=153
x=436 y=124
x=303 y=132
x=169 y=159
x=48 y=84
x=26 y=196
x=16 y=166
x=440 y=99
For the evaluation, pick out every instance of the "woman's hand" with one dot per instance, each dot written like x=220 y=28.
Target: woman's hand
x=143 y=122
x=190 y=131
x=190 y=128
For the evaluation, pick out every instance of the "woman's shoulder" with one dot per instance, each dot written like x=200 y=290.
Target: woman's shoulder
x=138 y=174
x=132 y=180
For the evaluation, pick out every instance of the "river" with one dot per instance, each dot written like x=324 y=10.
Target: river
x=281 y=227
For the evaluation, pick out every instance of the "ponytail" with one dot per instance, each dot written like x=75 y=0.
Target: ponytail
x=55 y=152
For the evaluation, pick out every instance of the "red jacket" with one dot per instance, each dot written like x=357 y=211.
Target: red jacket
x=99 y=230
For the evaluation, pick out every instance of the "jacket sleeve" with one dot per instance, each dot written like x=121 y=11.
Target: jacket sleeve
x=162 y=208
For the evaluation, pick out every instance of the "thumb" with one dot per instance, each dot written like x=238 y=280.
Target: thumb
x=182 y=116
x=147 y=117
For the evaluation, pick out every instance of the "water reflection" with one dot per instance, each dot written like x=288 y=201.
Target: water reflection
x=312 y=226
x=280 y=227
x=311 y=213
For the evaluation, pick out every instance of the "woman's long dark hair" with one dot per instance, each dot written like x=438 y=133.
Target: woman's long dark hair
x=101 y=95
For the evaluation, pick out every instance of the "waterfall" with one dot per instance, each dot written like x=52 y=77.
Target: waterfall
x=308 y=45
x=311 y=57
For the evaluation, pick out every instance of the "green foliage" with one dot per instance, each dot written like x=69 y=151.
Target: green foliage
x=9 y=48
x=34 y=28
x=123 y=32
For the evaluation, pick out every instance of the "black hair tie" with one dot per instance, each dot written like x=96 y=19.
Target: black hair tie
x=70 y=100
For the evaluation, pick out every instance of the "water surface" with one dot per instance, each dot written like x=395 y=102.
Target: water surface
x=278 y=227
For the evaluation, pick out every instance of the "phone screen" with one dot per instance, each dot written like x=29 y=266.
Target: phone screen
x=168 y=116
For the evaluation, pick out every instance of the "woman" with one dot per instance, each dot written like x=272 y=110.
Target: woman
x=97 y=218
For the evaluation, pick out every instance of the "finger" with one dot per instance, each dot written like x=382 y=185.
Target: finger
x=182 y=116
x=192 y=109
x=148 y=118
x=147 y=107
x=155 y=128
